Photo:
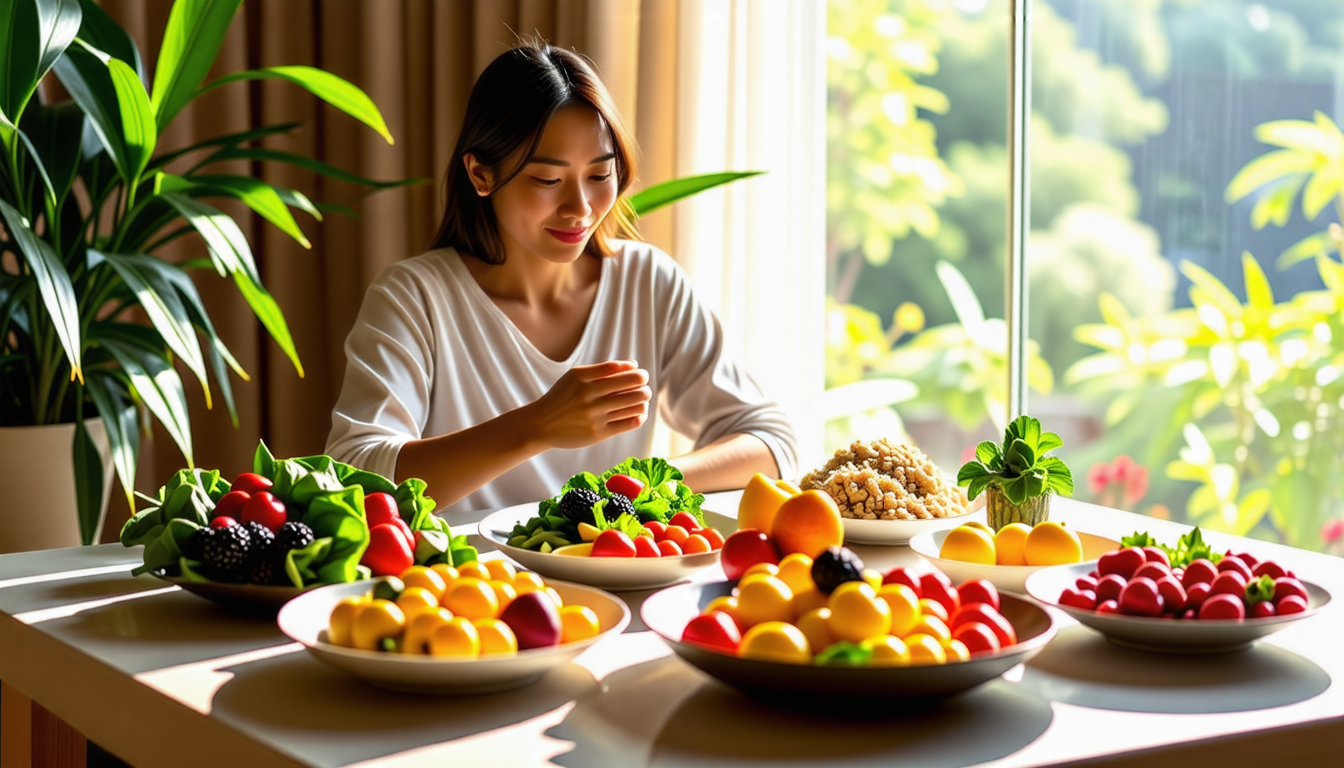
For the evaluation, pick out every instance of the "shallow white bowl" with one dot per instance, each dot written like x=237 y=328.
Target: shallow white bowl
x=617 y=573
x=1184 y=636
x=1008 y=578
x=667 y=612
x=895 y=533
x=305 y=619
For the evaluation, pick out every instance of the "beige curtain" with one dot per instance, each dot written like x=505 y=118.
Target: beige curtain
x=417 y=59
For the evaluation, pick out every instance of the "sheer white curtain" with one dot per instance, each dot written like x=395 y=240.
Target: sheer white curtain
x=751 y=95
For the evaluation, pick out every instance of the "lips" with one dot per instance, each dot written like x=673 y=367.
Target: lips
x=569 y=236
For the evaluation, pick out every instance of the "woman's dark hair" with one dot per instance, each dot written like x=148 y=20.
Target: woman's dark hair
x=510 y=105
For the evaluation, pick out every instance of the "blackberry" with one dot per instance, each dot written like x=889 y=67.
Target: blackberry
x=835 y=566
x=293 y=536
x=263 y=540
x=616 y=506
x=577 y=505
x=268 y=570
x=194 y=547
x=226 y=552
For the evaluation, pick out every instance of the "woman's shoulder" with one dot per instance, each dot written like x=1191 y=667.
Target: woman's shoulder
x=640 y=259
x=430 y=267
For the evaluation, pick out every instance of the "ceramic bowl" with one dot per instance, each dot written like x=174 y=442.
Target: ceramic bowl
x=1008 y=578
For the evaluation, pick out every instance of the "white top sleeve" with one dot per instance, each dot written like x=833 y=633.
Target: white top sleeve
x=431 y=354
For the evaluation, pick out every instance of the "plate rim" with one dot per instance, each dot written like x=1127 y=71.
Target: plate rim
x=488 y=533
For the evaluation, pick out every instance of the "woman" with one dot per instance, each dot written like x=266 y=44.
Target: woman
x=530 y=344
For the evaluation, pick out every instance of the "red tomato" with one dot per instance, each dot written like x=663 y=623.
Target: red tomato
x=978 y=591
x=646 y=547
x=1222 y=606
x=984 y=614
x=231 y=504
x=1199 y=571
x=715 y=631
x=250 y=482
x=715 y=538
x=262 y=507
x=685 y=520
x=380 y=508
x=901 y=575
x=624 y=485
x=676 y=533
x=668 y=548
x=696 y=544
x=388 y=553
x=613 y=543
x=1084 y=599
x=222 y=521
x=1290 y=604
x=659 y=529
x=937 y=587
x=978 y=637
x=1108 y=606
x=405 y=529
x=744 y=549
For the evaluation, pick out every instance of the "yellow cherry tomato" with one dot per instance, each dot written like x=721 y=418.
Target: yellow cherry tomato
x=933 y=627
x=420 y=630
x=471 y=598
x=414 y=601
x=474 y=569
x=763 y=598
x=816 y=627
x=872 y=578
x=341 y=626
x=795 y=569
x=807 y=600
x=968 y=545
x=457 y=637
x=956 y=651
x=446 y=572
x=775 y=641
x=555 y=597
x=856 y=613
x=578 y=622
x=528 y=581
x=1051 y=543
x=729 y=605
x=930 y=607
x=504 y=593
x=501 y=570
x=427 y=578
x=904 y=606
x=375 y=621
x=497 y=639
x=1010 y=544
x=887 y=651
x=925 y=650
x=769 y=569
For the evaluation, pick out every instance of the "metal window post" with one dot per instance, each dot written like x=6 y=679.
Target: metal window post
x=1019 y=202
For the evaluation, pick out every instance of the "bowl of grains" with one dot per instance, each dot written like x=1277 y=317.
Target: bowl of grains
x=888 y=492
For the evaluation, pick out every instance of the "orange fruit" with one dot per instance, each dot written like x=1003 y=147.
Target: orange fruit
x=1050 y=543
x=968 y=545
x=807 y=523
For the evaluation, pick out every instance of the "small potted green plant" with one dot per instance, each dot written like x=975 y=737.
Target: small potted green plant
x=1018 y=477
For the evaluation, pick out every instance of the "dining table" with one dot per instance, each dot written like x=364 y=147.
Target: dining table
x=160 y=677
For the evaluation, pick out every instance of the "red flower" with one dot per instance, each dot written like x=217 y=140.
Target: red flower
x=1332 y=531
x=1138 y=483
x=1098 y=477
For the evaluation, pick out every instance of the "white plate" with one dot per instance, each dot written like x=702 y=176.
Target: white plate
x=892 y=533
x=1187 y=636
x=667 y=612
x=305 y=620
x=1008 y=578
x=618 y=573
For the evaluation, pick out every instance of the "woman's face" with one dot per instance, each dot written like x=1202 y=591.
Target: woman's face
x=552 y=206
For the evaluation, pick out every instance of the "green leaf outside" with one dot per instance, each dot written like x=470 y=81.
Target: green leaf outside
x=668 y=192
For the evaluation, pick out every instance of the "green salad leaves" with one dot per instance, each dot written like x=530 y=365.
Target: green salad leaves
x=1189 y=547
x=330 y=498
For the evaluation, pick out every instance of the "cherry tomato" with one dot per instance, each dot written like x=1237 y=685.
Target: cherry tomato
x=380 y=508
x=659 y=529
x=668 y=548
x=714 y=537
x=1222 y=606
x=901 y=575
x=231 y=504
x=715 y=630
x=262 y=507
x=695 y=543
x=222 y=521
x=1199 y=571
x=677 y=534
x=979 y=638
x=934 y=585
x=744 y=549
x=645 y=546
x=388 y=554
x=685 y=520
x=624 y=485
x=613 y=543
x=979 y=591
x=985 y=615
x=250 y=482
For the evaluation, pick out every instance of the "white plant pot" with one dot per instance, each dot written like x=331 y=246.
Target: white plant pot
x=38 y=477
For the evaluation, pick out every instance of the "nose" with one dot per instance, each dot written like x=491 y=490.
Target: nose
x=574 y=203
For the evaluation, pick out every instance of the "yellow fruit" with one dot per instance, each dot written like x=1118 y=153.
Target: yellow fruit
x=428 y=578
x=887 y=651
x=588 y=531
x=808 y=600
x=957 y=651
x=979 y=526
x=421 y=629
x=446 y=572
x=925 y=650
x=414 y=601
x=816 y=627
x=341 y=626
x=808 y=523
x=582 y=549
x=763 y=598
x=555 y=597
x=968 y=545
x=776 y=641
x=497 y=639
x=857 y=613
x=527 y=581
x=375 y=621
x=933 y=627
x=457 y=638
x=474 y=569
x=1010 y=544
x=904 y=606
x=471 y=598
x=769 y=569
x=729 y=605
x=504 y=592
x=578 y=622
x=1050 y=543
x=761 y=500
x=872 y=578
x=796 y=571
x=501 y=570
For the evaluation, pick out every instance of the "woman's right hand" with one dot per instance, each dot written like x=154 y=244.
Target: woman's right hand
x=591 y=403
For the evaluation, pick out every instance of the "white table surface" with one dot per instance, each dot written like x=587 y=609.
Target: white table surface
x=163 y=678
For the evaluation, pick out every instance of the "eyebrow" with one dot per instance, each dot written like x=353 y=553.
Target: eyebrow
x=565 y=164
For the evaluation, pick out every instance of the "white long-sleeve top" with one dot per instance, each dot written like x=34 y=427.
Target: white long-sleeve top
x=431 y=354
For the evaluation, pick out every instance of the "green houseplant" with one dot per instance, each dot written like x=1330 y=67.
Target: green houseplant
x=86 y=204
x=1018 y=476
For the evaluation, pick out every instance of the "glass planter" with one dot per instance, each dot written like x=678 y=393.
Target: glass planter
x=1000 y=511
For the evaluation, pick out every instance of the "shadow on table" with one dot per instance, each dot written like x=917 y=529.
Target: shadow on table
x=1081 y=667
x=665 y=712
x=163 y=630
x=304 y=707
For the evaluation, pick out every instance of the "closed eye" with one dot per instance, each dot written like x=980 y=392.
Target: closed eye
x=603 y=177
x=545 y=182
